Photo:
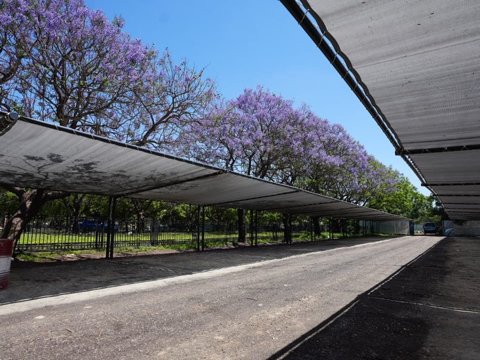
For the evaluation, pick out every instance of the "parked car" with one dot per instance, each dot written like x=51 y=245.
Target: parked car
x=89 y=225
x=430 y=228
x=93 y=225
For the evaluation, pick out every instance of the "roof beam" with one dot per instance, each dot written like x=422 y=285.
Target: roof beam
x=301 y=206
x=316 y=29
x=452 y=184
x=253 y=198
x=345 y=212
x=459 y=195
x=135 y=171
x=330 y=48
x=437 y=149
x=172 y=183
x=457 y=204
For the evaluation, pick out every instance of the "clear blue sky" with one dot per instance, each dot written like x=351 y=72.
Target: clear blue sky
x=245 y=43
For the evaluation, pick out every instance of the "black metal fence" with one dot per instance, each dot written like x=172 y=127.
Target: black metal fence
x=65 y=234
x=53 y=235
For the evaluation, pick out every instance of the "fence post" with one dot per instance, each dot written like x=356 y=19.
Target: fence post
x=252 y=230
x=331 y=228
x=112 y=203
x=287 y=232
x=198 y=227
x=96 y=234
x=203 y=228
x=312 y=233
x=256 y=227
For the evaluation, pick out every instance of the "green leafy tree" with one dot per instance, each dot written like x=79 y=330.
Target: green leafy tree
x=404 y=199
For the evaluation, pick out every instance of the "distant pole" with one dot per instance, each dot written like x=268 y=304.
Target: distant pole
x=203 y=228
x=252 y=228
x=112 y=203
x=256 y=227
x=312 y=238
x=331 y=228
x=198 y=227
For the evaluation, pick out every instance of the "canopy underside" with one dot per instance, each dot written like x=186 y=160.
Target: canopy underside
x=417 y=63
x=40 y=155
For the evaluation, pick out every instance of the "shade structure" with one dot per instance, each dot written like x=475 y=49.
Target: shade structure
x=415 y=66
x=40 y=155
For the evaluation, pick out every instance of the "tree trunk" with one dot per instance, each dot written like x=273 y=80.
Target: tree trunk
x=30 y=203
x=252 y=228
x=140 y=222
x=316 y=225
x=75 y=207
x=241 y=226
x=287 y=228
x=357 y=227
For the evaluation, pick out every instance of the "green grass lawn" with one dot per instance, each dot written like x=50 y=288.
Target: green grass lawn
x=54 y=247
x=51 y=238
x=43 y=238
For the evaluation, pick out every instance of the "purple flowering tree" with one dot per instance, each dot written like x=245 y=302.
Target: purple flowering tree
x=71 y=66
x=343 y=175
x=15 y=39
x=169 y=97
x=263 y=135
x=248 y=134
x=62 y=62
x=81 y=69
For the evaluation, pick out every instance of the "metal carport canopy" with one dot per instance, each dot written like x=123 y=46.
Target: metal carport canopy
x=415 y=65
x=40 y=155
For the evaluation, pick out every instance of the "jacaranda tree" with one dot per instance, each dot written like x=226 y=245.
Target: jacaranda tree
x=262 y=134
x=169 y=97
x=62 y=62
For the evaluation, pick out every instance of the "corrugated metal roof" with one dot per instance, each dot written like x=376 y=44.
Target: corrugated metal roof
x=40 y=155
x=416 y=64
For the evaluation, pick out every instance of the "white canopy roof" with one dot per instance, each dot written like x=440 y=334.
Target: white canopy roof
x=415 y=66
x=40 y=155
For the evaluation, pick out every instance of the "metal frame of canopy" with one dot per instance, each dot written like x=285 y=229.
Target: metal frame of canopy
x=414 y=66
x=41 y=155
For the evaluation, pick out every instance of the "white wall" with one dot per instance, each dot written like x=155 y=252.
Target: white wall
x=465 y=228
x=398 y=227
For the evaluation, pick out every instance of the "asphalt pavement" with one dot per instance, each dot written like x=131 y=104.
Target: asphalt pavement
x=249 y=305
x=429 y=310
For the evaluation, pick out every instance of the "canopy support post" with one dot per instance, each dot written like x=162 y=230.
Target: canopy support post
x=197 y=230
x=256 y=227
x=312 y=238
x=203 y=227
x=331 y=228
x=112 y=203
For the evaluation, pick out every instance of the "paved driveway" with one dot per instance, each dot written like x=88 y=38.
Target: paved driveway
x=247 y=310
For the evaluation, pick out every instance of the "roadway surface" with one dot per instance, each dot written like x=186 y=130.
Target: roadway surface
x=247 y=311
x=429 y=310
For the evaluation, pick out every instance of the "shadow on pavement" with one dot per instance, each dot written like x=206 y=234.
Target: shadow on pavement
x=430 y=310
x=34 y=280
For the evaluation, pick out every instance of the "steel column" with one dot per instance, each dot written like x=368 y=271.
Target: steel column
x=203 y=228
x=112 y=203
x=256 y=227
x=198 y=227
x=330 y=220
x=252 y=228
